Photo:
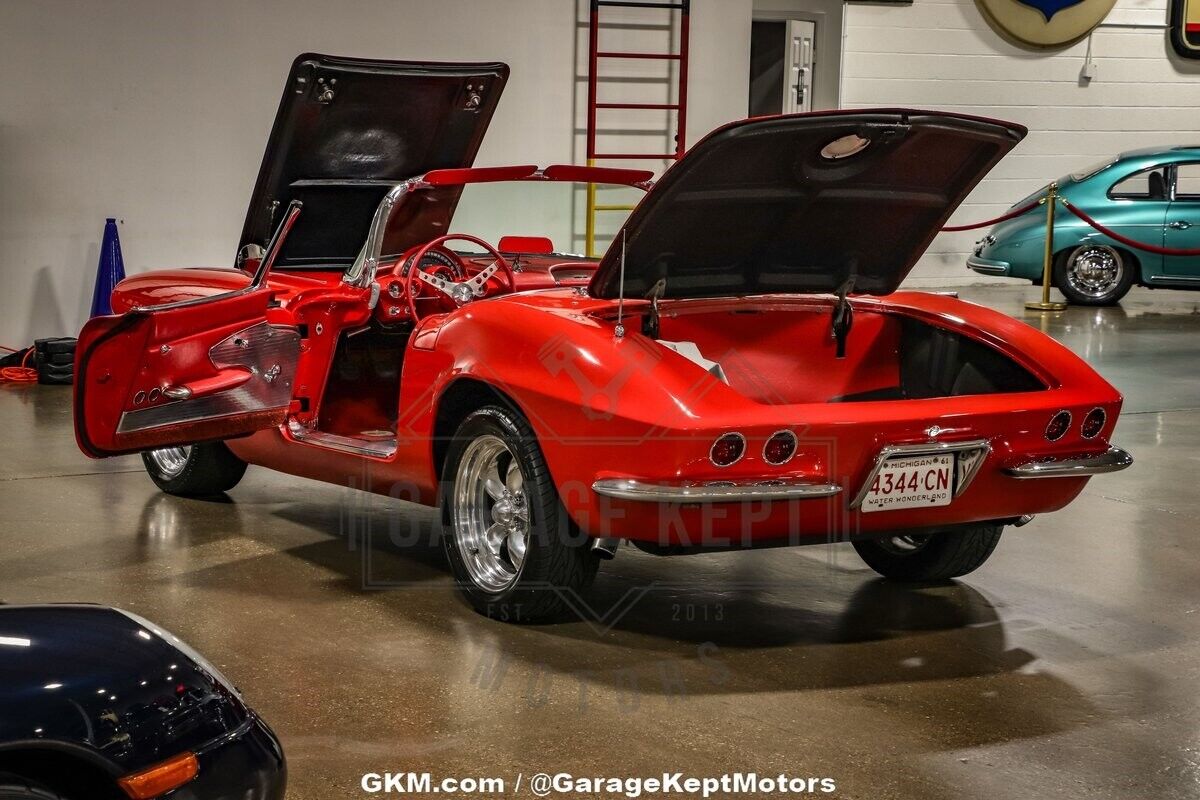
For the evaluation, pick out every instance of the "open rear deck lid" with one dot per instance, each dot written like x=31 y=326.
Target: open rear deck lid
x=803 y=204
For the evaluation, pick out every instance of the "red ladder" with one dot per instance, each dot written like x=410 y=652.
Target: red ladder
x=595 y=56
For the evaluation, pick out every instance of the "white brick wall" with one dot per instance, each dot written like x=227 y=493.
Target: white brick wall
x=943 y=54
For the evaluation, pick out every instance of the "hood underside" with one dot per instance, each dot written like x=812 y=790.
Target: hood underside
x=803 y=203
x=347 y=130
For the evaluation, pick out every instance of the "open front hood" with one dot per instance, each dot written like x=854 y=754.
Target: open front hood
x=804 y=203
x=347 y=129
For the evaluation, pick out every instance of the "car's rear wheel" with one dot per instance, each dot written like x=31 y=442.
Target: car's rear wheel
x=1095 y=274
x=194 y=470
x=511 y=545
x=937 y=556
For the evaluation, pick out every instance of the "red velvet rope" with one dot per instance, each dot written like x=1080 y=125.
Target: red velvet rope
x=1110 y=233
x=996 y=221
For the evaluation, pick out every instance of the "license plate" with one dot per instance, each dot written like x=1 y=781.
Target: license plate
x=912 y=482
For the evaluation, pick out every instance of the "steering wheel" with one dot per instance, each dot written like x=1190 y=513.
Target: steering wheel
x=461 y=292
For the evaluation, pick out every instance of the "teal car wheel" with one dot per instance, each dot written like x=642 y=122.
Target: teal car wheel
x=1095 y=274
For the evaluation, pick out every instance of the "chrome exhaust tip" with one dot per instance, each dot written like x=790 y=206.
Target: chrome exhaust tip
x=1023 y=521
x=606 y=548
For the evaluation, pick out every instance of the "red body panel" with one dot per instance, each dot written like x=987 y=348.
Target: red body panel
x=126 y=365
x=608 y=407
x=603 y=406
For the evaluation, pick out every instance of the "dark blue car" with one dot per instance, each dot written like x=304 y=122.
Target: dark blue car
x=99 y=704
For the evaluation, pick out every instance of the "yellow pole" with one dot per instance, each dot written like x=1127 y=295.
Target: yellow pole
x=1048 y=256
x=590 y=234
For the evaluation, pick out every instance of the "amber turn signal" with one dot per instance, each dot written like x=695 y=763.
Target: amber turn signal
x=161 y=778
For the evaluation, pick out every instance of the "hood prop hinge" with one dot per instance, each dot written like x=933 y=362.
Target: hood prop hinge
x=650 y=321
x=843 y=317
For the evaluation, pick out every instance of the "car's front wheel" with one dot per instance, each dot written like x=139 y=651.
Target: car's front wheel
x=194 y=470
x=937 y=556
x=14 y=787
x=1095 y=274
x=511 y=545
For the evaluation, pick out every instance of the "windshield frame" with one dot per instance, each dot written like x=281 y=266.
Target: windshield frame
x=361 y=273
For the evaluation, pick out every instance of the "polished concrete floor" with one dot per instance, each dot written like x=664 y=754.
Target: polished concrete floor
x=1067 y=667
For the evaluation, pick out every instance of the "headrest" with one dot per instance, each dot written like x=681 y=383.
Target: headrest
x=525 y=244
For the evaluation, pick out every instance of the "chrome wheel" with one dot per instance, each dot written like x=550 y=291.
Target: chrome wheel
x=906 y=545
x=490 y=514
x=170 y=461
x=1095 y=270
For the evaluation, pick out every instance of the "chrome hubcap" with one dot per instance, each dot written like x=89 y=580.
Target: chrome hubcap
x=906 y=545
x=490 y=513
x=170 y=461
x=1094 y=270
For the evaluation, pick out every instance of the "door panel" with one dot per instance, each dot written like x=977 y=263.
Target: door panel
x=798 y=65
x=1182 y=229
x=209 y=370
x=1138 y=205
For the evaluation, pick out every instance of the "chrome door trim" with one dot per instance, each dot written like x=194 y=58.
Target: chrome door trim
x=269 y=352
x=1173 y=279
x=374 y=448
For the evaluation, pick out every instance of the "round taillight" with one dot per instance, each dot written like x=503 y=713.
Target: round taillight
x=1060 y=423
x=728 y=449
x=780 y=448
x=1093 y=423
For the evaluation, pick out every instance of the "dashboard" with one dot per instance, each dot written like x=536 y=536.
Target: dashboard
x=438 y=262
x=530 y=271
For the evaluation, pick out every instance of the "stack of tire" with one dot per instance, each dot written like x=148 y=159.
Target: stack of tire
x=55 y=360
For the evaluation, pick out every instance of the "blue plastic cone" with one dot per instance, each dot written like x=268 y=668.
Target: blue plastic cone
x=109 y=272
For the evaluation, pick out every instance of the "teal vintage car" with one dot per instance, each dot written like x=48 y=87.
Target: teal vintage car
x=1150 y=196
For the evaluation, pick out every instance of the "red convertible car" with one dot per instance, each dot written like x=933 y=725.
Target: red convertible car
x=738 y=370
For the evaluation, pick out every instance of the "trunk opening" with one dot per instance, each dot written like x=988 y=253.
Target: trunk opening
x=785 y=356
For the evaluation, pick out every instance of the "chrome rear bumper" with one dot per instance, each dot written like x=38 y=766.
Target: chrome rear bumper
x=718 y=492
x=987 y=266
x=1114 y=460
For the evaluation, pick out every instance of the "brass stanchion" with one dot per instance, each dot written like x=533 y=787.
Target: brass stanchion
x=1048 y=258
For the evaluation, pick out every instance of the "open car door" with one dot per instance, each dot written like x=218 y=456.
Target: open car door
x=185 y=372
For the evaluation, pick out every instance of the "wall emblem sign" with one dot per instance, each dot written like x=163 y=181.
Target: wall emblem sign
x=1185 y=27
x=1049 y=23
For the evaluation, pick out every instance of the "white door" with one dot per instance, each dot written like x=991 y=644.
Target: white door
x=798 y=66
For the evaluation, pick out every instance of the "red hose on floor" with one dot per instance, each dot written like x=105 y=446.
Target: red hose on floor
x=990 y=222
x=21 y=374
x=1110 y=233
